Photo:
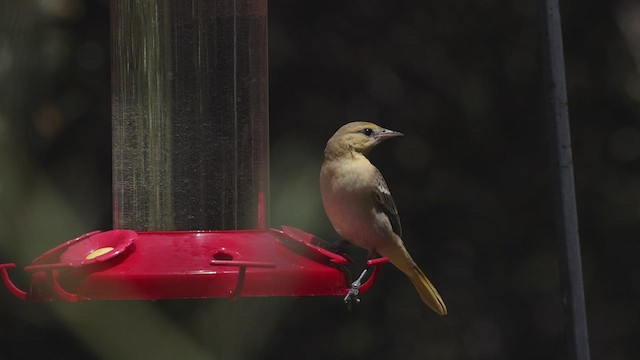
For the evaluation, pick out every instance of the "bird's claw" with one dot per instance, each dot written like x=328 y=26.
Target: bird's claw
x=352 y=295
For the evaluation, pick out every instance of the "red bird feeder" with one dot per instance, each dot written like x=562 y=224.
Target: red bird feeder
x=125 y=265
x=190 y=171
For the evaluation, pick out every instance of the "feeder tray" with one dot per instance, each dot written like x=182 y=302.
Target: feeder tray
x=124 y=265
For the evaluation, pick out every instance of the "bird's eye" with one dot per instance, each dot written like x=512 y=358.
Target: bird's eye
x=367 y=131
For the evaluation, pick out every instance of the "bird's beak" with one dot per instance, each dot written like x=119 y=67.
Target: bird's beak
x=386 y=134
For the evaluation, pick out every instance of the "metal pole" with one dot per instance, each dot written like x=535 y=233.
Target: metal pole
x=565 y=197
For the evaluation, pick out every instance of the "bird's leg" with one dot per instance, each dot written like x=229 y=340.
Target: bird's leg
x=336 y=247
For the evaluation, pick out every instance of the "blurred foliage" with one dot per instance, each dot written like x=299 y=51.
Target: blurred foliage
x=471 y=179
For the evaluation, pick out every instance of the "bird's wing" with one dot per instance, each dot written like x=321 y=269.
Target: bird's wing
x=384 y=198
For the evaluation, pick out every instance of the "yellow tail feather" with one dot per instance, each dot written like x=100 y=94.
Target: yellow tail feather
x=427 y=291
x=399 y=257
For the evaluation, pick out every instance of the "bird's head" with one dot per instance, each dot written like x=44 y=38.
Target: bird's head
x=358 y=137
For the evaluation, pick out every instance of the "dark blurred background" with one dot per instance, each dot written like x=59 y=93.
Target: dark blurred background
x=471 y=179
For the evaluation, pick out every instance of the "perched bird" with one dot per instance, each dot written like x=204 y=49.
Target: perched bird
x=360 y=207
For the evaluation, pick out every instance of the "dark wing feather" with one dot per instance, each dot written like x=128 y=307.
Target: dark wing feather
x=387 y=205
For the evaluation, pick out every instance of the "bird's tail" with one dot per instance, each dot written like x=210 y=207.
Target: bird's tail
x=427 y=291
x=399 y=257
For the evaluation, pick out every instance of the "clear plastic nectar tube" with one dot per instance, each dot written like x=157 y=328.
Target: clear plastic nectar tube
x=190 y=114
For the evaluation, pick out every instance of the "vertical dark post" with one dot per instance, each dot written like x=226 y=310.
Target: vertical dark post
x=565 y=197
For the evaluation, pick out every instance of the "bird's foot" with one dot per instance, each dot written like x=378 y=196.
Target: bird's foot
x=339 y=247
x=352 y=295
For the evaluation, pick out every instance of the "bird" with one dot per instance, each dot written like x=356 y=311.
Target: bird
x=359 y=204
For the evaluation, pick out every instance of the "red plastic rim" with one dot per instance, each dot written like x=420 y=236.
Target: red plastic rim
x=306 y=240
